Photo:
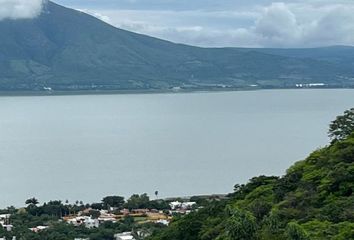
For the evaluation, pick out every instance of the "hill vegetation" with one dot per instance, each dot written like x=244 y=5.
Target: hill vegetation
x=314 y=200
x=64 y=49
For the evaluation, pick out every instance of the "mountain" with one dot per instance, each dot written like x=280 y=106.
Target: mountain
x=314 y=200
x=65 y=49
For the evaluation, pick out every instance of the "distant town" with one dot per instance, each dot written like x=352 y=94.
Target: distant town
x=132 y=216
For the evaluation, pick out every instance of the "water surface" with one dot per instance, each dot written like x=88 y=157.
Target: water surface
x=86 y=147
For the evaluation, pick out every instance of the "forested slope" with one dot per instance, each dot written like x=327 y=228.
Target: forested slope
x=313 y=200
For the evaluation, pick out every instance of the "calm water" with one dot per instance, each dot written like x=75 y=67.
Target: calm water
x=87 y=147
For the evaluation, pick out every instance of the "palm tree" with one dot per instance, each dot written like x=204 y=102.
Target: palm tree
x=32 y=204
x=156 y=194
x=32 y=201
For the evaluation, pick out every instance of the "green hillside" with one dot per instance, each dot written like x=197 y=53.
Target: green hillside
x=313 y=200
x=68 y=50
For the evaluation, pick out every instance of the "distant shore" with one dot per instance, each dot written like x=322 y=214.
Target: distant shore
x=148 y=91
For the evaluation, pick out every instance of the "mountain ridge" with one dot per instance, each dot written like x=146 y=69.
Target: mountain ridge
x=65 y=49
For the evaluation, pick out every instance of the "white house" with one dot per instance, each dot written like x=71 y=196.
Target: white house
x=4 y=217
x=84 y=220
x=4 y=220
x=163 y=221
x=38 y=228
x=180 y=205
x=124 y=236
x=91 y=223
x=7 y=227
x=188 y=205
x=175 y=205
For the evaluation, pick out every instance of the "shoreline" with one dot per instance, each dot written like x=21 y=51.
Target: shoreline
x=148 y=91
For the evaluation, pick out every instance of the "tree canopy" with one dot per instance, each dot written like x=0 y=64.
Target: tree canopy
x=342 y=126
x=314 y=200
x=113 y=201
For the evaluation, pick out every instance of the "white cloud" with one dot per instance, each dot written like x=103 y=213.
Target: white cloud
x=263 y=23
x=278 y=24
x=335 y=27
x=17 y=9
x=97 y=15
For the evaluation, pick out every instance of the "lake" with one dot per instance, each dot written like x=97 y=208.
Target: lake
x=86 y=147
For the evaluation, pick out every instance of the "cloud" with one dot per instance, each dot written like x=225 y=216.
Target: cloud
x=305 y=25
x=333 y=28
x=277 y=24
x=17 y=9
x=236 y=23
x=97 y=15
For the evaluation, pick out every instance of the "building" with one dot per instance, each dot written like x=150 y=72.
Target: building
x=4 y=217
x=88 y=222
x=175 y=205
x=5 y=221
x=182 y=205
x=188 y=205
x=124 y=236
x=105 y=216
x=163 y=221
x=7 y=227
x=38 y=228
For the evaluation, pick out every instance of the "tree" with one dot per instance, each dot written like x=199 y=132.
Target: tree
x=342 y=126
x=32 y=205
x=241 y=225
x=94 y=214
x=159 y=205
x=113 y=201
x=260 y=208
x=138 y=201
x=32 y=201
x=295 y=232
x=97 y=206
x=55 y=208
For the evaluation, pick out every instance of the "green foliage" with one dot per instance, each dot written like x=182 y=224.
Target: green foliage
x=241 y=225
x=325 y=230
x=32 y=201
x=295 y=232
x=159 y=205
x=94 y=214
x=138 y=202
x=313 y=200
x=343 y=126
x=113 y=201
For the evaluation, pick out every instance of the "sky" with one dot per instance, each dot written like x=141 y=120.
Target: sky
x=220 y=23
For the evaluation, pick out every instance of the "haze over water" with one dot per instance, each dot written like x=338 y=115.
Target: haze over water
x=86 y=147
